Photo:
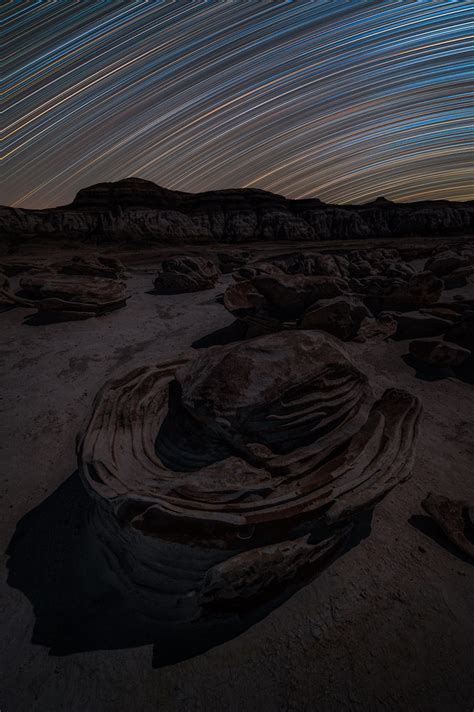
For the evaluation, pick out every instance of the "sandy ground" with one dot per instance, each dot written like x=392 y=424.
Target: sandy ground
x=388 y=626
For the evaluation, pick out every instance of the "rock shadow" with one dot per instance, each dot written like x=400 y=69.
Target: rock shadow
x=237 y=331
x=78 y=609
x=427 y=526
x=424 y=372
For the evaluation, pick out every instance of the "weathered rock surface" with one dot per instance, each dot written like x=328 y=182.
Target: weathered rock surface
x=437 y=353
x=455 y=518
x=91 y=265
x=219 y=481
x=186 y=274
x=273 y=302
x=378 y=328
x=387 y=294
x=445 y=263
x=341 y=316
x=232 y=260
x=62 y=297
x=455 y=266
x=135 y=209
x=8 y=298
x=459 y=277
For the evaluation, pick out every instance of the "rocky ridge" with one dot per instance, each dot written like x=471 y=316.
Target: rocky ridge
x=136 y=209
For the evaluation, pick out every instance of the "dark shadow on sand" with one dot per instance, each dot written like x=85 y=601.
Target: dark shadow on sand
x=427 y=526
x=227 y=335
x=76 y=607
x=424 y=372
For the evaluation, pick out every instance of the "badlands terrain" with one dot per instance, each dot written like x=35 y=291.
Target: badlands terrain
x=270 y=503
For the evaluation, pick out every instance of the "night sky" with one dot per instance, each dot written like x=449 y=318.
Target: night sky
x=344 y=101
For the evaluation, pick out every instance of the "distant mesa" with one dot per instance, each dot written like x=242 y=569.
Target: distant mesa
x=381 y=200
x=134 y=209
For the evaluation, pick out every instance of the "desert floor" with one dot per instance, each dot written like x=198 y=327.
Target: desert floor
x=387 y=627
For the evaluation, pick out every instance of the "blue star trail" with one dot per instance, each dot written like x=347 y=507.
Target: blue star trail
x=339 y=100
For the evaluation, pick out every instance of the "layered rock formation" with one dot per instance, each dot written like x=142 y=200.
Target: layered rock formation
x=186 y=274
x=62 y=297
x=70 y=290
x=135 y=209
x=220 y=480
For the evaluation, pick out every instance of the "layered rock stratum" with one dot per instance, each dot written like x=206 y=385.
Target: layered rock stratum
x=137 y=209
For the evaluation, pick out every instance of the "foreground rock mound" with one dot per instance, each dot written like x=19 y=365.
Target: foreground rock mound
x=186 y=274
x=222 y=480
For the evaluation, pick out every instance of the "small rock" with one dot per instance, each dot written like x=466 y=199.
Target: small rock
x=412 y=325
x=440 y=354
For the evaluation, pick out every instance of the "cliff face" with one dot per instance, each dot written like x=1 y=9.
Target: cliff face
x=136 y=209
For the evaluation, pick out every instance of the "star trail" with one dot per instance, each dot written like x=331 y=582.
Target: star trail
x=344 y=101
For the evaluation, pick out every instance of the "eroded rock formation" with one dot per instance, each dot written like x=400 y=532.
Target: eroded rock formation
x=221 y=479
x=91 y=265
x=135 y=209
x=455 y=518
x=186 y=274
x=64 y=297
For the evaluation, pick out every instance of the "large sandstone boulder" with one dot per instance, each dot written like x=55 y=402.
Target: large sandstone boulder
x=254 y=269
x=232 y=260
x=217 y=483
x=341 y=317
x=186 y=274
x=379 y=328
x=446 y=262
x=459 y=277
x=7 y=298
x=386 y=294
x=274 y=302
x=61 y=297
x=92 y=265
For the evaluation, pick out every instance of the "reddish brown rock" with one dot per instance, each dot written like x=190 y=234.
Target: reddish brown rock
x=274 y=302
x=455 y=519
x=186 y=274
x=341 y=317
x=224 y=478
x=446 y=262
x=7 y=298
x=92 y=265
x=69 y=297
x=232 y=260
x=386 y=294
x=378 y=328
